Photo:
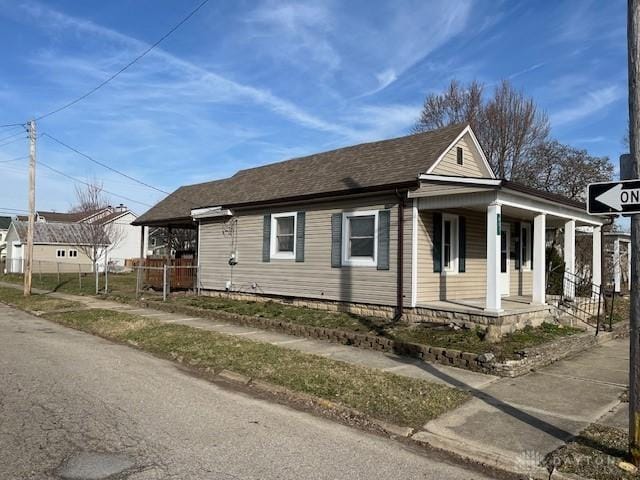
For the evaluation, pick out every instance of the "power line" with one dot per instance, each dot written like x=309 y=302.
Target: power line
x=14 y=159
x=10 y=142
x=77 y=180
x=99 y=86
x=11 y=136
x=104 y=165
x=12 y=125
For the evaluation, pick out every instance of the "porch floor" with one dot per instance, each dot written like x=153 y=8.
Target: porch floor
x=511 y=305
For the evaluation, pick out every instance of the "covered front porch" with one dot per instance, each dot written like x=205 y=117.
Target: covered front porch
x=480 y=246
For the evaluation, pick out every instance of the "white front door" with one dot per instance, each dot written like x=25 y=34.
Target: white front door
x=505 y=242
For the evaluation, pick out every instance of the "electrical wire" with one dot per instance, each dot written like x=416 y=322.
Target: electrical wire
x=10 y=142
x=77 y=180
x=6 y=125
x=136 y=59
x=104 y=165
x=15 y=159
x=11 y=136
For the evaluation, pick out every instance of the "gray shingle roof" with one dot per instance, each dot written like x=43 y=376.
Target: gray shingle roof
x=360 y=167
x=58 y=233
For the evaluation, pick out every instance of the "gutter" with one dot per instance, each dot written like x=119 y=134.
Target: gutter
x=400 y=259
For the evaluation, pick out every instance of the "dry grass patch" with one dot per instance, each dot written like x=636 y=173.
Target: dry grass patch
x=36 y=302
x=392 y=398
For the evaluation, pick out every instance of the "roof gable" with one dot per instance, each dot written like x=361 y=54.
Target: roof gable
x=474 y=164
x=397 y=161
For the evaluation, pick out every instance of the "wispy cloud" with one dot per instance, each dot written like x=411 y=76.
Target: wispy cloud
x=588 y=104
x=296 y=29
x=210 y=85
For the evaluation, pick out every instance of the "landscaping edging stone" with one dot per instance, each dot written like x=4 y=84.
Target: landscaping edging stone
x=530 y=359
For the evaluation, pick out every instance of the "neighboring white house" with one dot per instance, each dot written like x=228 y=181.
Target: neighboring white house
x=5 y=222
x=126 y=237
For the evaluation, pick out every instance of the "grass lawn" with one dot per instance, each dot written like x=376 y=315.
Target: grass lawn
x=400 y=400
x=595 y=453
x=119 y=284
x=36 y=302
x=122 y=288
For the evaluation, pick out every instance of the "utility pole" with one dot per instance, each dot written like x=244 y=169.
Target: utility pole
x=633 y=50
x=32 y=207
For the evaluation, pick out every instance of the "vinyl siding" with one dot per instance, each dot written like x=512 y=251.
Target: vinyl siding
x=473 y=165
x=434 y=286
x=314 y=278
x=472 y=283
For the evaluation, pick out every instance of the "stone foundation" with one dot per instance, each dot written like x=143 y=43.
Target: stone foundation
x=503 y=323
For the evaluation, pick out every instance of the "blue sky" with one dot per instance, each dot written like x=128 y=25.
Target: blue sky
x=246 y=83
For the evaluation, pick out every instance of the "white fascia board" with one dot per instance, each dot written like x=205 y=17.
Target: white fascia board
x=466 y=130
x=466 y=180
x=210 y=212
x=536 y=204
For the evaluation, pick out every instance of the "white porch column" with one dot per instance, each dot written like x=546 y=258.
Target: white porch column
x=617 y=270
x=494 y=300
x=539 y=260
x=570 y=257
x=596 y=267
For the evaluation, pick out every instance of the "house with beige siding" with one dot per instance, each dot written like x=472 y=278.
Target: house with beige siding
x=417 y=226
x=57 y=247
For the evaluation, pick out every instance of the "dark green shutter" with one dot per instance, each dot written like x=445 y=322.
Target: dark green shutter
x=336 y=240
x=437 y=242
x=384 y=227
x=462 y=245
x=266 y=239
x=518 y=245
x=300 y=237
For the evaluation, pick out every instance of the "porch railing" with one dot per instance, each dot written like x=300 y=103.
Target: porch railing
x=580 y=298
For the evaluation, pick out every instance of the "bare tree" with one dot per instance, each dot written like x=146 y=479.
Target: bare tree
x=507 y=124
x=98 y=236
x=562 y=169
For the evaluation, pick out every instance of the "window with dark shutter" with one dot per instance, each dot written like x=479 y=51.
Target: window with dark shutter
x=336 y=240
x=266 y=239
x=300 y=237
x=460 y=155
x=437 y=242
x=384 y=230
x=462 y=244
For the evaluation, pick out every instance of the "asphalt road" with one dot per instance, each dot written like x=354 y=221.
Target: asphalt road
x=65 y=394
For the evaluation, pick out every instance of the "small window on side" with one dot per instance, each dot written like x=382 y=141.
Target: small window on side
x=61 y=253
x=460 y=155
x=73 y=253
x=283 y=235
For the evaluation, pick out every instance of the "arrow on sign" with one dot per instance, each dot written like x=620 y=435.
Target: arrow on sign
x=616 y=197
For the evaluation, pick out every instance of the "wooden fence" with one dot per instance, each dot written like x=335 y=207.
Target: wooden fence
x=181 y=274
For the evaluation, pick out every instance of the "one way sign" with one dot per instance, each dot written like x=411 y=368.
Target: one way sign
x=609 y=198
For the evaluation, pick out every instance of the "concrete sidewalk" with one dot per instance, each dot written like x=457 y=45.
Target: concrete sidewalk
x=508 y=422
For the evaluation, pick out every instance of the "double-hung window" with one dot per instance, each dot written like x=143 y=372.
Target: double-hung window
x=61 y=253
x=449 y=243
x=360 y=238
x=283 y=235
x=73 y=253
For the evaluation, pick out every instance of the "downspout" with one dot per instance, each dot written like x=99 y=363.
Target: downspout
x=400 y=259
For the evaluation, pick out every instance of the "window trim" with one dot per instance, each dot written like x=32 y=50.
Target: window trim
x=349 y=261
x=452 y=269
x=525 y=230
x=275 y=253
x=61 y=253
